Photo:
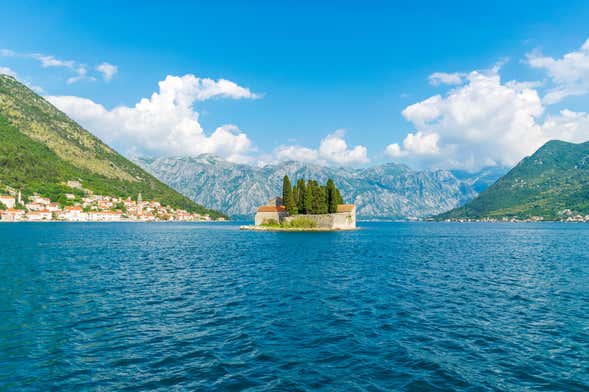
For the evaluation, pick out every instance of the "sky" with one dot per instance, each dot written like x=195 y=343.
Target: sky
x=450 y=85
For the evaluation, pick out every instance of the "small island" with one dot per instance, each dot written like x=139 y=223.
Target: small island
x=306 y=206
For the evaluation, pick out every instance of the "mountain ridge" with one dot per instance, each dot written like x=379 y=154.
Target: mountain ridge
x=41 y=149
x=386 y=191
x=552 y=180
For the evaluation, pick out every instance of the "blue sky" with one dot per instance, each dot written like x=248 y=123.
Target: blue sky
x=315 y=72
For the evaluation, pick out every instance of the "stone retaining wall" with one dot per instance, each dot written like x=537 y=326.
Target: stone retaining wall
x=341 y=220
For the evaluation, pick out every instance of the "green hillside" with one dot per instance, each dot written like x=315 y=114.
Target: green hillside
x=554 y=179
x=41 y=149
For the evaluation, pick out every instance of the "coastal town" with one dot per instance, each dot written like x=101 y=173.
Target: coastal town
x=90 y=208
x=563 y=216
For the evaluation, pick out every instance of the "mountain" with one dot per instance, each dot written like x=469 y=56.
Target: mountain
x=482 y=179
x=383 y=191
x=41 y=149
x=554 y=179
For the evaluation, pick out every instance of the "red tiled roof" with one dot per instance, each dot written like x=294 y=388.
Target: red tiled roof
x=271 y=209
x=345 y=207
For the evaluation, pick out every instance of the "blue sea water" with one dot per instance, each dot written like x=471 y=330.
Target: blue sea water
x=394 y=306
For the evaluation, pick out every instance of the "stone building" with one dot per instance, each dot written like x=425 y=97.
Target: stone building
x=343 y=219
x=274 y=210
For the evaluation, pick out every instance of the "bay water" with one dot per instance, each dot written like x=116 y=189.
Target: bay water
x=198 y=306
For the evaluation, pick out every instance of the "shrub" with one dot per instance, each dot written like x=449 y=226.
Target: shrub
x=301 y=223
x=270 y=223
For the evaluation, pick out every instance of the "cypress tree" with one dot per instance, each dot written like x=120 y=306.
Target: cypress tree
x=285 y=188
x=338 y=197
x=331 y=197
x=301 y=197
x=324 y=200
x=287 y=196
x=317 y=198
x=295 y=195
x=308 y=199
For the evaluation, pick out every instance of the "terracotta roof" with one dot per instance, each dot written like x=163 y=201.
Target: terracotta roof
x=345 y=207
x=271 y=209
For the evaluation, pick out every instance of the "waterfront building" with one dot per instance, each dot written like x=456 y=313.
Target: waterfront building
x=8 y=201
x=12 y=215
x=74 y=214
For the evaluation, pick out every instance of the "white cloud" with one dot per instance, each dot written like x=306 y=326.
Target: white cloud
x=296 y=153
x=416 y=143
x=49 y=61
x=479 y=124
x=7 y=71
x=81 y=72
x=438 y=78
x=483 y=123
x=567 y=125
x=333 y=150
x=570 y=74
x=107 y=70
x=166 y=123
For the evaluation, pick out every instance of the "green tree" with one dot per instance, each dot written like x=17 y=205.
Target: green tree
x=308 y=199
x=287 y=196
x=318 y=198
x=295 y=195
x=338 y=197
x=331 y=197
x=301 y=189
x=285 y=190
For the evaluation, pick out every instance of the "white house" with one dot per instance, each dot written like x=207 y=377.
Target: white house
x=12 y=215
x=74 y=214
x=8 y=201
x=104 y=216
x=39 y=215
x=40 y=200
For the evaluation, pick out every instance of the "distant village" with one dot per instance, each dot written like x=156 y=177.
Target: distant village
x=564 y=216
x=90 y=208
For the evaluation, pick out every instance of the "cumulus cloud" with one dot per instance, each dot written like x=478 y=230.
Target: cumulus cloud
x=166 y=123
x=7 y=71
x=438 y=78
x=107 y=70
x=570 y=74
x=483 y=123
x=567 y=125
x=333 y=150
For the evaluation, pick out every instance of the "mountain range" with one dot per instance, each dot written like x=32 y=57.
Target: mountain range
x=550 y=183
x=41 y=149
x=391 y=191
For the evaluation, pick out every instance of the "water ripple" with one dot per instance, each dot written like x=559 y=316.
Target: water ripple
x=395 y=306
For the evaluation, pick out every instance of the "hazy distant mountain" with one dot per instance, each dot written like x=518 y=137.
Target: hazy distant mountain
x=555 y=178
x=483 y=179
x=384 y=191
